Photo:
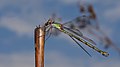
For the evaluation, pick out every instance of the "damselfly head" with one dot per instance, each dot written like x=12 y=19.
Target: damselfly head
x=49 y=22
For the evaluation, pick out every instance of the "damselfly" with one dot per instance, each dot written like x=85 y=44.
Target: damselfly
x=74 y=35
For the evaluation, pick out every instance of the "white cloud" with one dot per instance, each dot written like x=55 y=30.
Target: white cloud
x=113 y=13
x=111 y=63
x=23 y=60
x=18 y=1
x=106 y=30
x=17 y=60
x=21 y=16
x=58 y=59
x=55 y=59
x=76 y=1
x=17 y=25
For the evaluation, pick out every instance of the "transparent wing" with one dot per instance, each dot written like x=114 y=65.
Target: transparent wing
x=88 y=17
x=78 y=33
x=53 y=31
x=78 y=23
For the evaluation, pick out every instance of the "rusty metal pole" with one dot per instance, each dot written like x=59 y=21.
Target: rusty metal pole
x=39 y=36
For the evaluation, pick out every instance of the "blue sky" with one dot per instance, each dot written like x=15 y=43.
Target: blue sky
x=18 y=19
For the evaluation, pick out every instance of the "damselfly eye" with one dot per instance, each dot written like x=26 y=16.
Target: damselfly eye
x=49 y=21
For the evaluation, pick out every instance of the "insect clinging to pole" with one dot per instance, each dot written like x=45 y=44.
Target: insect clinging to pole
x=74 y=35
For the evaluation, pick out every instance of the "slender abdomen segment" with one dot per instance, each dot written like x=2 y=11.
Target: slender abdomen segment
x=86 y=43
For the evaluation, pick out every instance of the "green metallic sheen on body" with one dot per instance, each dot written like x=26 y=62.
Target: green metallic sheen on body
x=59 y=27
